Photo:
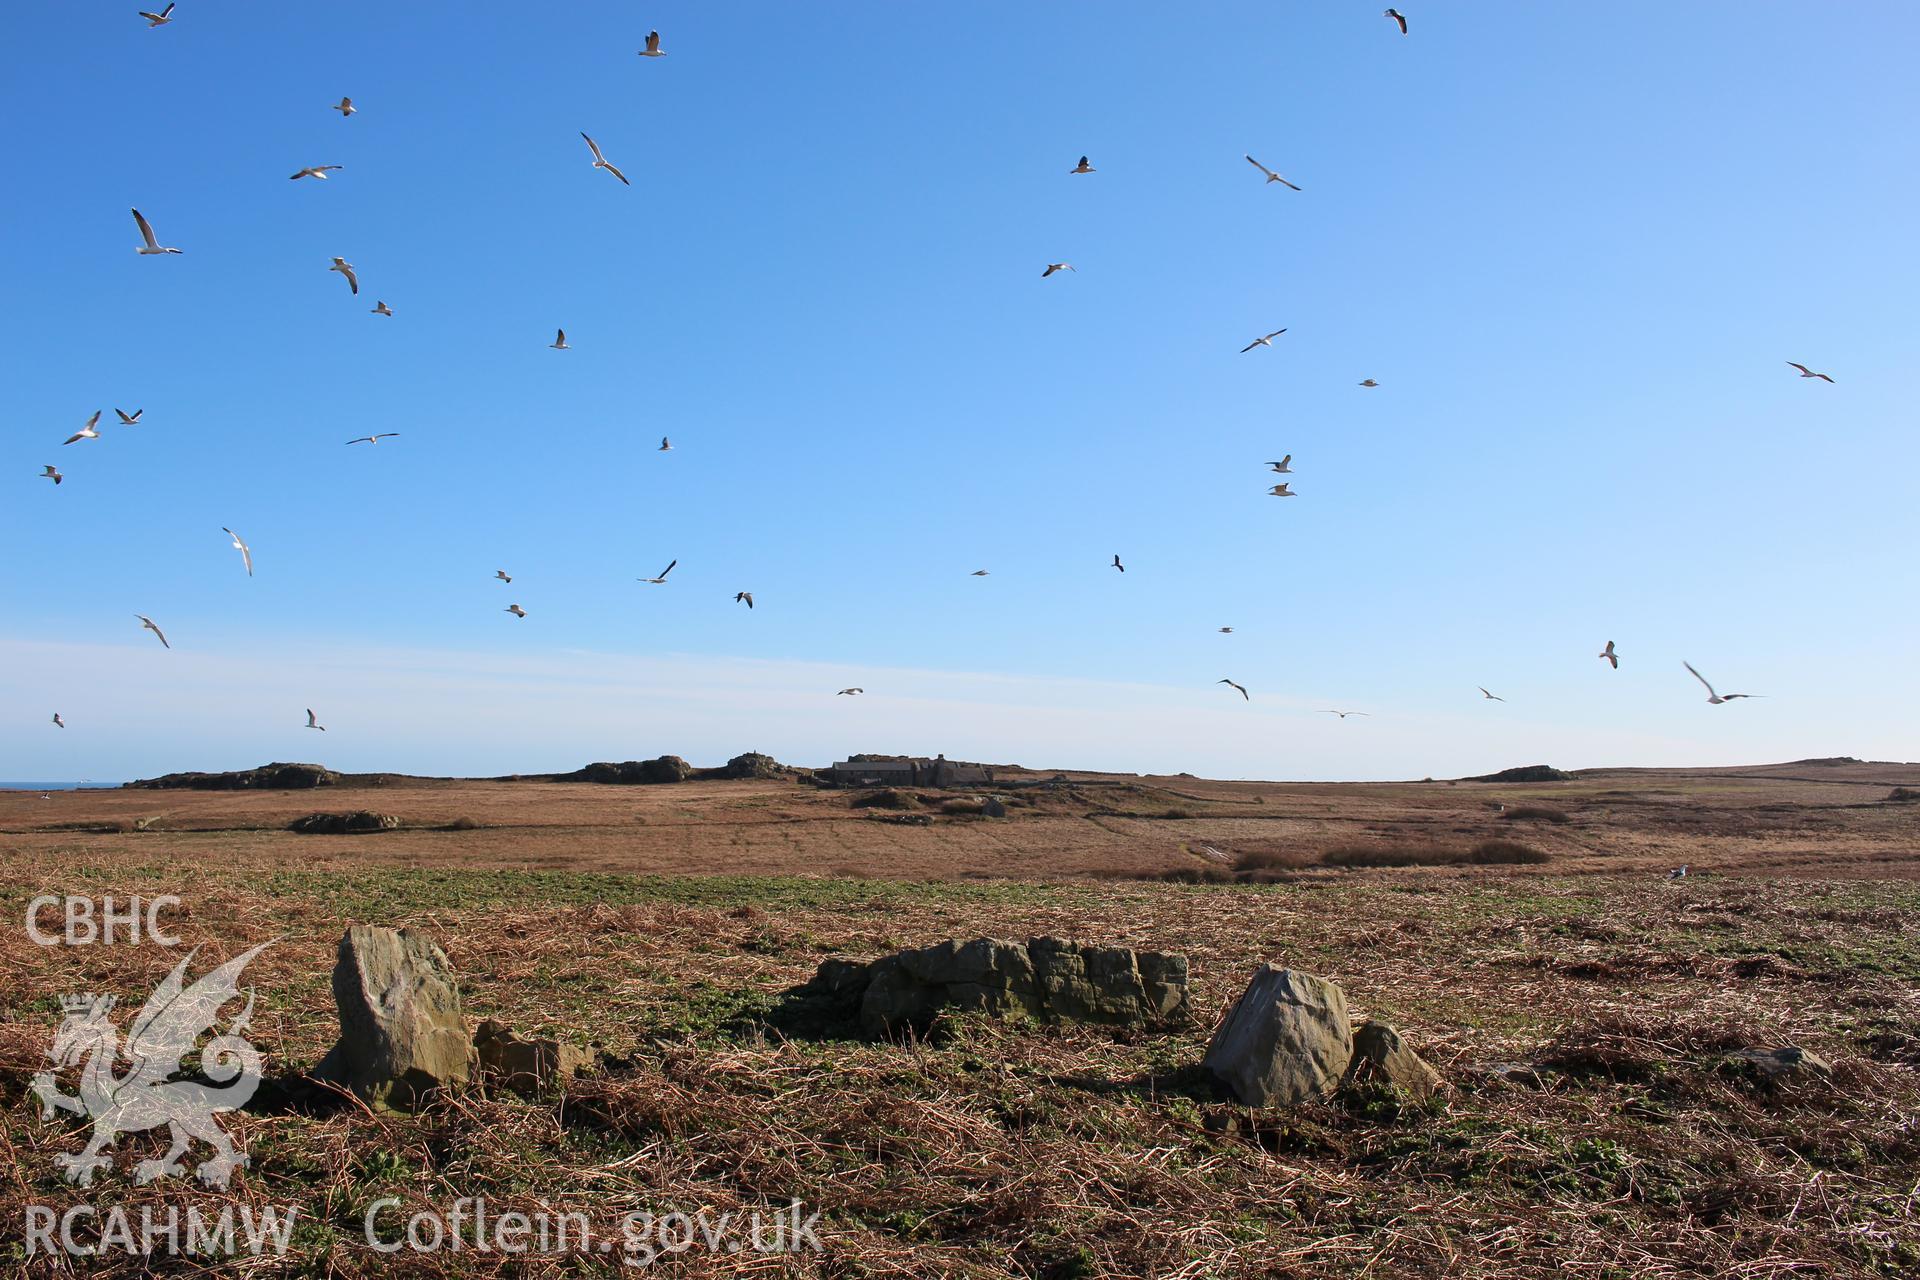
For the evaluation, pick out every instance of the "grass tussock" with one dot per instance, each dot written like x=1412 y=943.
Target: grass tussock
x=1484 y=853
x=1535 y=813
x=886 y=798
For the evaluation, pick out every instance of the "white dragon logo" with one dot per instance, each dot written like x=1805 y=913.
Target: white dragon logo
x=163 y=1032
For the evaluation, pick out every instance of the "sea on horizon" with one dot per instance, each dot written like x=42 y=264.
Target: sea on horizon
x=84 y=784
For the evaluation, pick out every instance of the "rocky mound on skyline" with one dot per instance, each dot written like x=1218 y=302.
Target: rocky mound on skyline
x=268 y=777
x=628 y=773
x=755 y=765
x=1525 y=773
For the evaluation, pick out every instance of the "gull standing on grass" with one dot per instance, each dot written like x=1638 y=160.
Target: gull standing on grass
x=125 y=421
x=346 y=108
x=1242 y=688
x=1613 y=659
x=653 y=49
x=345 y=268
x=52 y=473
x=146 y=234
x=319 y=171
x=601 y=162
x=246 y=553
x=374 y=439
x=147 y=622
x=1713 y=698
x=1262 y=342
x=662 y=579
x=89 y=432
x=1808 y=373
x=313 y=723
x=1271 y=175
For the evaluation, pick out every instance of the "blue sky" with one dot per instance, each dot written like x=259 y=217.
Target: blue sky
x=1575 y=246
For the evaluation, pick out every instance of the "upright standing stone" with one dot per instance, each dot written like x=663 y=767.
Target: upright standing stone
x=402 y=1032
x=1287 y=1040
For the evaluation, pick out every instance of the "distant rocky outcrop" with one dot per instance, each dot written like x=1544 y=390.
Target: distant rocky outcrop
x=1525 y=773
x=403 y=1034
x=343 y=824
x=1903 y=795
x=631 y=772
x=268 y=777
x=1051 y=979
x=755 y=765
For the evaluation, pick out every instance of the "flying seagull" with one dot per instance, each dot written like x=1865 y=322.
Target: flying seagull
x=661 y=580
x=738 y=596
x=58 y=722
x=1398 y=17
x=381 y=309
x=346 y=108
x=159 y=19
x=1493 y=696
x=374 y=439
x=319 y=171
x=600 y=161
x=1242 y=688
x=515 y=610
x=665 y=445
x=978 y=573
x=1271 y=175
x=1344 y=714
x=503 y=575
x=559 y=342
x=1716 y=698
x=53 y=474
x=1056 y=266
x=1806 y=372
x=1284 y=466
x=89 y=432
x=1116 y=563
x=125 y=421
x=313 y=722
x=848 y=692
x=1262 y=342
x=1083 y=167
x=1226 y=631
x=1281 y=491
x=147 y=622
x=246 y=553
x=653 y=49
x=1369 y=382
x=146 y=234
x=345 y=268
x=1610 y=655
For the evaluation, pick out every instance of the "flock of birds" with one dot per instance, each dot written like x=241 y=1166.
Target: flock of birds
x=151 y=247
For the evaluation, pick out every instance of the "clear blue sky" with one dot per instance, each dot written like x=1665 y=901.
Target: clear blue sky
x=1575 y=245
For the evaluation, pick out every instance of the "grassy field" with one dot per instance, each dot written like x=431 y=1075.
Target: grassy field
x=1581 y=1009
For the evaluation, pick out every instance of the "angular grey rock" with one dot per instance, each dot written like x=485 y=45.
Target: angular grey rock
x=527 y=1066
x=1285 y=1041
x=1382 y=1055
x=402 y=1032
x=1045 y=978
x=992 y=807
x=1787 y=1065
